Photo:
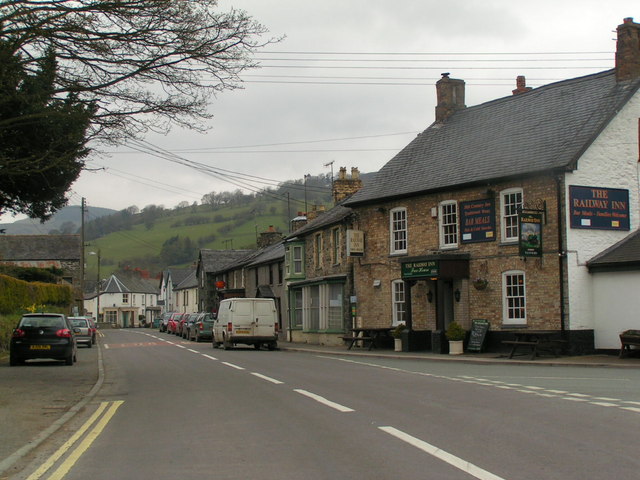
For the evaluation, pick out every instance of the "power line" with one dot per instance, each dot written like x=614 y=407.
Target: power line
x=285 y=52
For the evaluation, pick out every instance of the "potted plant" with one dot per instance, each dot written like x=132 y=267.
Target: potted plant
x=455 y=334
x=396 y=333
x=480 y=283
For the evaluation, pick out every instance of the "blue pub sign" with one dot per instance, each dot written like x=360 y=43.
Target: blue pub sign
x=599 y=208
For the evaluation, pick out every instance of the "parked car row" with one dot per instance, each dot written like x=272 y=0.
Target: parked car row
x=50 y=336
x=191 y=326
x=247 y=321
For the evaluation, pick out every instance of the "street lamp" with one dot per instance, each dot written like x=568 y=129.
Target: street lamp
x=97 y=286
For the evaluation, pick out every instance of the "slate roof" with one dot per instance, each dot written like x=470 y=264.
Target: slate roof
x=621 y=255
x=544 y=129
x=190 y=281
x=40 y=247
x=269 y=254
x=335 y=215
x=214 y=261
x=121 y=284
x=178 y=275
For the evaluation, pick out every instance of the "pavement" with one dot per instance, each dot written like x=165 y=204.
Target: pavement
x=596 y=360
x=23 y=393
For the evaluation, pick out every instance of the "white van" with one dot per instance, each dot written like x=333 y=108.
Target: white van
x=248 y=321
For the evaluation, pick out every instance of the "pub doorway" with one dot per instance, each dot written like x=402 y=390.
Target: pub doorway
x=444 y=303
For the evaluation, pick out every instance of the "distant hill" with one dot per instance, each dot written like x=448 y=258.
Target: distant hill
x=154 y=238
x=66 y=220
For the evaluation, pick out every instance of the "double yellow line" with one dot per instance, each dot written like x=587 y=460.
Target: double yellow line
x=82 y=447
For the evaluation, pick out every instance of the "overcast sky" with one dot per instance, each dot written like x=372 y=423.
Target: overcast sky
x=352 y=82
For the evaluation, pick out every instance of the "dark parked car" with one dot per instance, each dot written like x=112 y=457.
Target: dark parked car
x=187 y=329
x=203 y=328
x=165 y=320
x=43 y=335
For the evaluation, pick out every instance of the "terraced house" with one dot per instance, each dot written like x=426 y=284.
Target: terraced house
x=494 y=210
x=319 y=269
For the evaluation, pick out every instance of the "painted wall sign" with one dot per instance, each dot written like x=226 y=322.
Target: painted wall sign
x=355 y=243
x=428 y=268
x=599 y=208
x=530 y=227
x=477 y=221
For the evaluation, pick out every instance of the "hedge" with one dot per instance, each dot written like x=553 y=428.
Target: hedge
x=19 y=296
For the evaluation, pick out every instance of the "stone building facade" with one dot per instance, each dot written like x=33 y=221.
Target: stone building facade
x=319 y=271
x=494 y=210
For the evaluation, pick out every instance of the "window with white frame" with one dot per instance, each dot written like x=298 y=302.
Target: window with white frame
x=398 y=301
x=111 y=316
x=449 y=224
x=510 y=206
x=125 y=298
x=398 y=230
x=514 y=298
x=297 y=260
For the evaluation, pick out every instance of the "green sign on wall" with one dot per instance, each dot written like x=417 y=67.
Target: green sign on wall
x=429 y=268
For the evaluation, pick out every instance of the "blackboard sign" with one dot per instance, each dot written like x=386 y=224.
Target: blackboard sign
x=479 y=329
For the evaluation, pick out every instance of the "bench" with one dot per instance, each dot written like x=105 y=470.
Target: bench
x=355 y=339
x=535 y=340
x=628 y=339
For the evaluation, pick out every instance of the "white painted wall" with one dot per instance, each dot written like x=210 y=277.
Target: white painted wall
x=610 y=162
x=616 y=306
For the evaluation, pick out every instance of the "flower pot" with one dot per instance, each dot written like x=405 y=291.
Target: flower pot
x=456 y=347
x=480 y=284
x=397 y=344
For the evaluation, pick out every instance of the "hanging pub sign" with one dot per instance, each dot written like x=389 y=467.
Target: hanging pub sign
x=355 y=243
x=599 y=208
x=477 y=221
x=427 y=268
x=530 y=228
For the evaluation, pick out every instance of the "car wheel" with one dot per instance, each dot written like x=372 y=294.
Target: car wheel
x=256 y=346
x=89 y=344
x=225 y=344
x=197 y=339
x=272 y=346
x=69 y=359
x=14 y=360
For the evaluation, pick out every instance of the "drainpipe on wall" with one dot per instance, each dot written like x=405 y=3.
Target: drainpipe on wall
x=562 y=255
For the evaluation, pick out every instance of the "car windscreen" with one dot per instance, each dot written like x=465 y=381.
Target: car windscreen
x=79 y=323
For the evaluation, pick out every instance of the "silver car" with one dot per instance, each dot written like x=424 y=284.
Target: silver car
x=82 y=329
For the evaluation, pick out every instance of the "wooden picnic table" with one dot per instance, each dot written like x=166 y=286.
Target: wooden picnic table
x=533 y=340
x=372 y=335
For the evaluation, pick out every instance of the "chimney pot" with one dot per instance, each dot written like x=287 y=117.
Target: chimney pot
x=450 y=96
x=521 y=85
x=628 y=50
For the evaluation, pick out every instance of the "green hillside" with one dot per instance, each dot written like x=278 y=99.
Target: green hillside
x=143 y=245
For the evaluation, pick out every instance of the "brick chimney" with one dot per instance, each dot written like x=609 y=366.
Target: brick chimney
x=299 y=221
x=316 y=211
x=450 y=95
x=269 y=237
x=345 y=186
x=628 y=51
x=521 y=85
